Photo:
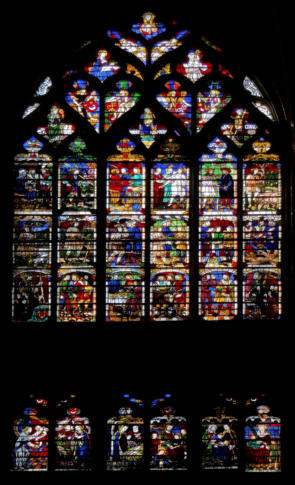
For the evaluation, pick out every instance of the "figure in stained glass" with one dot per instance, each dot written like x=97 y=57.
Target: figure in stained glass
x=33 y=187
x=168 y=441
x=165 y=46
x=125 y=441
x=262 y=293
x=241 y=129
x=218 y=245
x=76 y=295
x=77 y=185
x=194 y=68
x=129 y=45
x=262 y=442
x=125 y=187
x=73 y=442
x=31 y=446
x=210 y=102
x=148 y=129
x=125 y=241
x=178 y=102
x=169 y=242
x=103 y=67
x=119 y=102
x=85 y=102
x=31 y=241
x=148 y=28
x=170 y=187
x=56 y=131
x=76 y=236
x=124 y=295
x=31 y=296
x=169 y=295
x=218 y=294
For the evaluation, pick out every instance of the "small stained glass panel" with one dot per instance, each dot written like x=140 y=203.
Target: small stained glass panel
x=125 y=441
x=30 y=452
x=73 y=442
x=76 y=295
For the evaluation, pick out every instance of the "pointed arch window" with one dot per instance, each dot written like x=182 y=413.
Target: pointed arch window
x=151 y=187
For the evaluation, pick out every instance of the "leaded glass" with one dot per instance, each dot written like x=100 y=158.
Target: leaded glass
x=73 y=441
x=103 y=67
x=178 y=102
x=168 y=447
x=132 y=46
x=166 y=91
x=125 y=235
x=76 y=295
x=262 y=435
x=219 y=442
x=56 y=131
x=148 y=129
x=165 y=46
x=240 y=129
x=125 y=441
x=119 y=102
x=85 y=102
x=194 y=67
x=30 y=452
x=210 y=102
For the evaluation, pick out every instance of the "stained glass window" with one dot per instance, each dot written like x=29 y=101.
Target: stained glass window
x=170 y=198
x=168 y=439
x=31 y=429
x=73 y=441
x=262 y=435
x=125 y=437
x=219 y=447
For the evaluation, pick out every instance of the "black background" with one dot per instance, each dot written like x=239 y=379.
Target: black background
x=193 y=362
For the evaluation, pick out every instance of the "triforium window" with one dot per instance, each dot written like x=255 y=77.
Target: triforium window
x=149 y=188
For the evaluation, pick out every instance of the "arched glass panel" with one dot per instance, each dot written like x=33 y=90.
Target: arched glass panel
x=30 y=450
x=262 y=434
x=73 y=439
x=168 y=446
x=164 y=202
x=125 y=435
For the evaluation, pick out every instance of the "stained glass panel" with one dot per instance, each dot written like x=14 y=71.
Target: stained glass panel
x=125 y=234
x=219 y=443
x=73 y=441
x=194 y=67
x=125 y=441
x=241 y=128
x=165 y=46
x=178 y=102
x=210 y=102
x=30 y=452
x=103 y=67
x=262 y=442
x=119 y=102
x=129 y=45
x=56 y=131
x=148 y=28
x=32 y=241
x=77 y=240
x=262 y=233
x=148 y=129
x=168 y=447
x=85 y=102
